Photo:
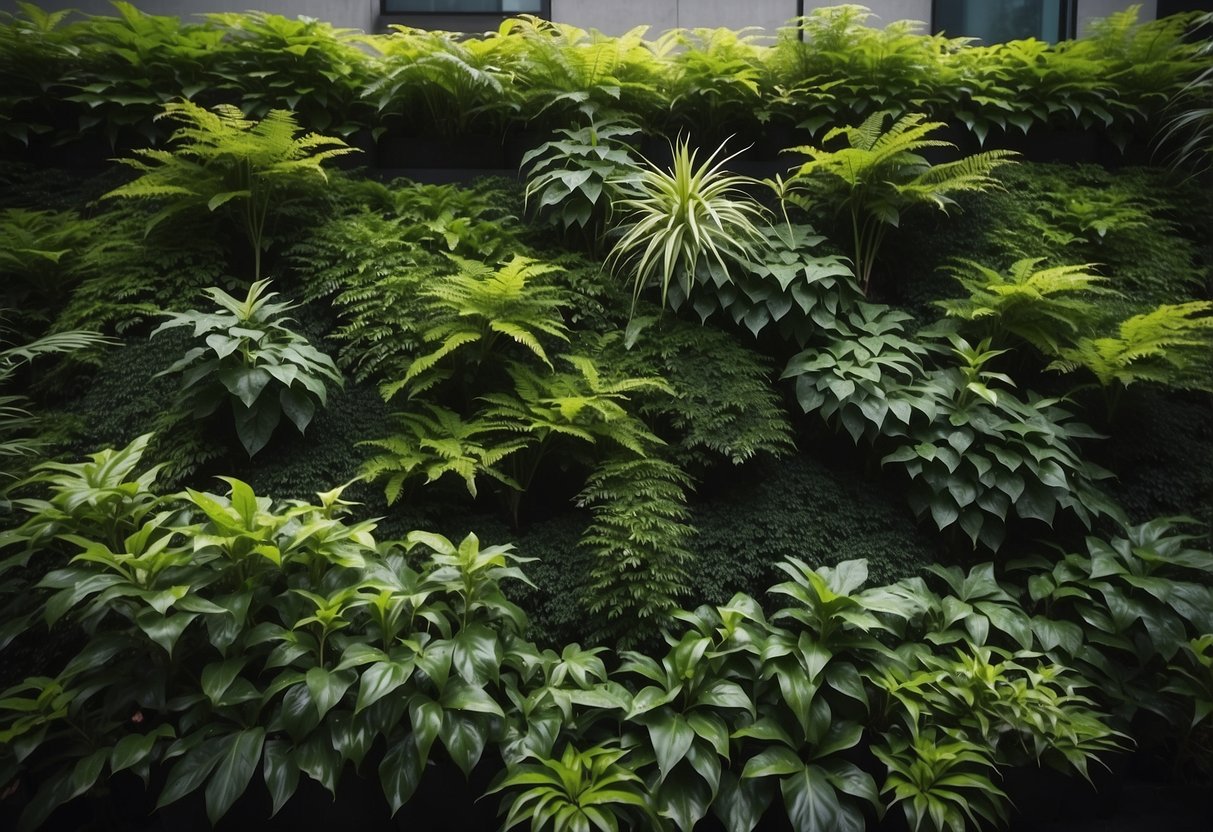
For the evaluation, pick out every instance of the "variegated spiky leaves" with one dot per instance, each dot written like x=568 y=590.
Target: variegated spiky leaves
x=222 y=160
x=1041 y=306
x=676 y=221
x=880 y=173
x=479 y=305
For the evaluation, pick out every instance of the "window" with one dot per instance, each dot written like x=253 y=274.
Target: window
x=1004 y=20
x=465 y=6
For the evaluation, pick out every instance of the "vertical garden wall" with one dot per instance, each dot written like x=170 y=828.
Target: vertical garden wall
x=813 y=434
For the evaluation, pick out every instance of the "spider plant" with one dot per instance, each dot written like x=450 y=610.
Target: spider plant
x=678 y=220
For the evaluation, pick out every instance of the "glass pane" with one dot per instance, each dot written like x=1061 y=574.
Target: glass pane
x=1000 y=22
x=458 y=6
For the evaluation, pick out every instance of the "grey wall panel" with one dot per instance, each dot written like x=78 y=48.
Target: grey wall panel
x=768 y=15
x=887 y=11
x=349 y=14
x=617 y=16
x=1089 y=10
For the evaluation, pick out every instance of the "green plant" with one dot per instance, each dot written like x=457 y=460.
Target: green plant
x=223 y=160
x=638 y=540
x=580 y=791
x=720 y=403
x=1168 y=345
x=451 y=81
x=881 y=173
x=477 y=307
x=569 y=181
x=989 y=454
x=40 y=258
x=15 y=420
x=253 y=360
x=782 y=285
x=1188 y=131
x=271 y=62
x=675 y=223
x=1028 y=302
x=943 y=783
x=584 y=404
x=1123 y=609
x=561 y=69
x=437 y=443
x=868 y=378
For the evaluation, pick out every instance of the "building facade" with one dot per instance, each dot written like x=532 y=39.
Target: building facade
x=1058 y=18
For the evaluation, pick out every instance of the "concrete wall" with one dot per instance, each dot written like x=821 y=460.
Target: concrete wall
x=350 y=14
x=1089 y=10
x=610 y=16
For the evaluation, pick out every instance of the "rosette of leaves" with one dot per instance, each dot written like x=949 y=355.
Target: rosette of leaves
x=942 y=782
x=254 y=361
x=868 y=379
x=581 y=790
x=988 y=456
x=783 y=285
x=569 y=181
x=1041 y=306
x=678 y=221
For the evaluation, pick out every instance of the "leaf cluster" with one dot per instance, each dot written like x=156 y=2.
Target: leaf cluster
x=253 y=361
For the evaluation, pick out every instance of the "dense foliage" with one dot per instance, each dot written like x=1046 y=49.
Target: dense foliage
x=64 y=76
x=778 y=544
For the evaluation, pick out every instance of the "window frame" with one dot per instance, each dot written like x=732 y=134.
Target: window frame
x=544 y=5
x=1067 y=23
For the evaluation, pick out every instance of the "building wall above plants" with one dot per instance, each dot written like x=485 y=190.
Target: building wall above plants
x=614 y=17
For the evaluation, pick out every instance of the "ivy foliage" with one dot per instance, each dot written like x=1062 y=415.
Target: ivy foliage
x=722 y=404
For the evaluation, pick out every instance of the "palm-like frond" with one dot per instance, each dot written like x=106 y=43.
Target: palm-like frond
x=220 y=159
x=480 y=304
x=584 y=405
x=881 y=172
x=438 y=442
x=1027 y=301
x=1170 y=345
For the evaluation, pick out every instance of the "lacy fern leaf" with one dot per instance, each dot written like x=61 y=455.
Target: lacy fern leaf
x=638 y=538
x=1170 y=345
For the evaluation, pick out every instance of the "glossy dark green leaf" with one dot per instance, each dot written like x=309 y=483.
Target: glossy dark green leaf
x=684 y=798
x=319 y=760
x=191 y=771
x=812 y=803
x=352 y=735
x=134 y=748
x=464 y=737
x=400 y=772
x=327 y=687
x=477 y=655
x=235 y=769
x=280 y=772
x=380 y=679
x=741 y=804
x=671 y=736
